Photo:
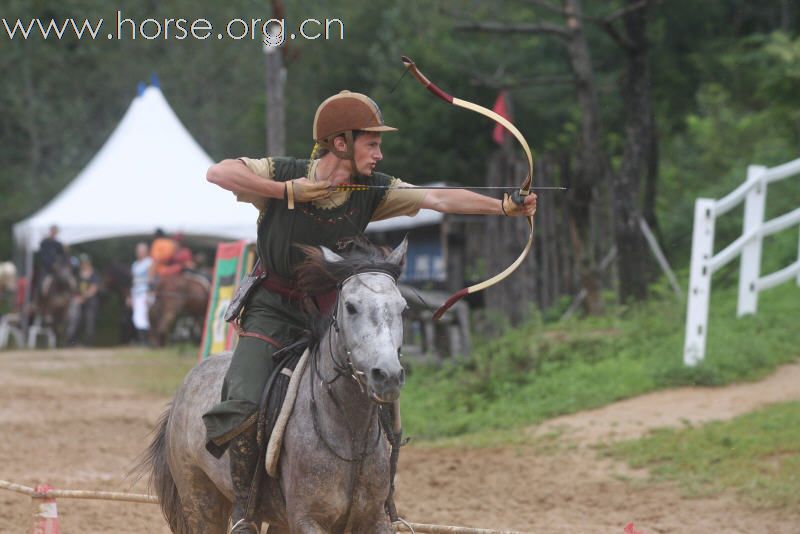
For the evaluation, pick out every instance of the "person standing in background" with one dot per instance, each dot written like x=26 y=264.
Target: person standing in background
x=140 y=284
x=84 y=304
x=162 y=251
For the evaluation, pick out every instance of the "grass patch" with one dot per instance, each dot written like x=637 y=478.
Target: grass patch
x=157 y=372
x=543 y=370
x=757 y=455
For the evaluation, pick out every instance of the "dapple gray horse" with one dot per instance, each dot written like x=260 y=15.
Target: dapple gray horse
x=334 y=465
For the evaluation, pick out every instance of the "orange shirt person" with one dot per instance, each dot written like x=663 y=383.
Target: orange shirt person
x=162 y=250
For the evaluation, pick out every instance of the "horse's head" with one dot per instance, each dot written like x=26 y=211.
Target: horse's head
x=367 y=320
x=63 y=277
x=116 y=278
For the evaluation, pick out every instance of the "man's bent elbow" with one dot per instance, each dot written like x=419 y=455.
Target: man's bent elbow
x=216 y=173
x=212 y=174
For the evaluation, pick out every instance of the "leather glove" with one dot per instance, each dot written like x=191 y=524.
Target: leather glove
x=304 y=190
x=526 y=206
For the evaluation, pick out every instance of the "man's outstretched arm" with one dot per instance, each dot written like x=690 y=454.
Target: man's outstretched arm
x=466 y=202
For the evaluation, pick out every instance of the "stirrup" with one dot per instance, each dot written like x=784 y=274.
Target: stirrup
x=244 y=527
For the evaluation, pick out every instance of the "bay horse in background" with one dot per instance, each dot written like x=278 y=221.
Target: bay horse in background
x=54 y=296
x=182 y=295
x=334 y=467
x=116 y=282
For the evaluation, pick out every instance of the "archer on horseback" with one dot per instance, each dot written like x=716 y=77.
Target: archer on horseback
x=299 y=205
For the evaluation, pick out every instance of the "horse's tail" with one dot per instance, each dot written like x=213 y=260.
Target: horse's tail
x=154 y=463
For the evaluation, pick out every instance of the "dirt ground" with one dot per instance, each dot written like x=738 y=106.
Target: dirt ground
x=77 y=437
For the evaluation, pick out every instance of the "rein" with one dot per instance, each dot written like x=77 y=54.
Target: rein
x=346 y=369
x=384 y=411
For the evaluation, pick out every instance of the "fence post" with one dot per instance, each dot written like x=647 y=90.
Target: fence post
x=750 y=264
x=45 y=512
x=699 y=282
x=798 y=256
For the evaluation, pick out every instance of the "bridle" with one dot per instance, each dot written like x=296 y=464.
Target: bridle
x=348 y=368
x=345 y=369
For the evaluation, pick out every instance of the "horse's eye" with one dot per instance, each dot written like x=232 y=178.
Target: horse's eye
x=350 y=308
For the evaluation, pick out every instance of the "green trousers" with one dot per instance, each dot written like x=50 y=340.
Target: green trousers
x=270 y=315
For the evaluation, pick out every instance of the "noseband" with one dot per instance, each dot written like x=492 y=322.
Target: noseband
x=348 y=368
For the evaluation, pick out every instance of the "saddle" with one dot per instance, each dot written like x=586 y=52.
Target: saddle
x=275 y=397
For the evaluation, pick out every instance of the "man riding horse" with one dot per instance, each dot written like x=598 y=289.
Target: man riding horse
x=51 y=255
x=299 y=206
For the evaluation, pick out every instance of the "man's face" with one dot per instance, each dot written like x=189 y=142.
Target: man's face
x=367 y=152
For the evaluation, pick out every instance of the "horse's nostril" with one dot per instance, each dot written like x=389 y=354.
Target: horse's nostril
x=379 y=375
x=402 y=376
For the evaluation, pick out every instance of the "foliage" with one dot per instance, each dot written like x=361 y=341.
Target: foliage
x=724 y=80
x=746 y=115
x=540 y=371
x=757 y=455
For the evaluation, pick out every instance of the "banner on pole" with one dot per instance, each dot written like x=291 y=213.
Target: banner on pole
x=232 y=261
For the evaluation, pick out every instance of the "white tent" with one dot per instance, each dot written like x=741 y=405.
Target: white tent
x=150 y=173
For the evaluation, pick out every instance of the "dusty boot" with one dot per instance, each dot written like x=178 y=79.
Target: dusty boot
x=243 y=451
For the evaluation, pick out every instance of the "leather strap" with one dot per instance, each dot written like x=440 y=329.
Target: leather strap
x=290 y=194
x=262 y=337
x=282 y=286
x=286 y=288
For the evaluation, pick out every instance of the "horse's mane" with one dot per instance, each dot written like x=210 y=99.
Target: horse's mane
x=316 y=275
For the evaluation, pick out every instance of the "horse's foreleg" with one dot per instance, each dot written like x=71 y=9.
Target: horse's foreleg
x=374 y=521
x=306 y=526
x=205 y=508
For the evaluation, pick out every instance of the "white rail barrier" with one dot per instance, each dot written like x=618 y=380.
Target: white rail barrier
x=705 y=263
x=45 y=518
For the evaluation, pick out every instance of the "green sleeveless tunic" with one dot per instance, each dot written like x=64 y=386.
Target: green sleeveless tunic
x=269 y=314
x=280 y=229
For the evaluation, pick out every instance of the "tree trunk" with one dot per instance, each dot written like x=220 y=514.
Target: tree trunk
x=547 y=237
x=651 y=184
x=515 y=295
x=592 y=166
x=275 y=91
x=632 y=248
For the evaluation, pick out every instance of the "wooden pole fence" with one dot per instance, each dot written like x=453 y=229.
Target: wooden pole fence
x=150 y=499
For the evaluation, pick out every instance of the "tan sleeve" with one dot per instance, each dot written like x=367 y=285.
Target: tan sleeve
x=263 y=167
x=398 y=202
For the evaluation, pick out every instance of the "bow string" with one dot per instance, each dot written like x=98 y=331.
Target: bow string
x=524 y=189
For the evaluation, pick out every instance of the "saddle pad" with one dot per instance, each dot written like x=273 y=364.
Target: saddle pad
x=276 y=437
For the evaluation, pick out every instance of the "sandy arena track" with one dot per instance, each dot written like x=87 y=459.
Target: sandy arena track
x=87 y=438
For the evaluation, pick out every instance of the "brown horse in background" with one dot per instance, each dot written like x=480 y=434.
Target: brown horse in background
x=54 y=296
x=176 y=296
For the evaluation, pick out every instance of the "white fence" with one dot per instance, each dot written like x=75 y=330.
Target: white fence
x=705 y=263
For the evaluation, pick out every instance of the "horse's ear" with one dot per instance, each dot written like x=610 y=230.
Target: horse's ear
x=330 y=256
x=398 y=255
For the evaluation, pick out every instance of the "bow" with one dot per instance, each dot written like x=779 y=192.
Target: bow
x=518 y=196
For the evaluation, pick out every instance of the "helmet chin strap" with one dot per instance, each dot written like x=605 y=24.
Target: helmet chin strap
x=349 y=154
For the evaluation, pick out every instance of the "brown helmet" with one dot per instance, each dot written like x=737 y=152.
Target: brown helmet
x=345 y=113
